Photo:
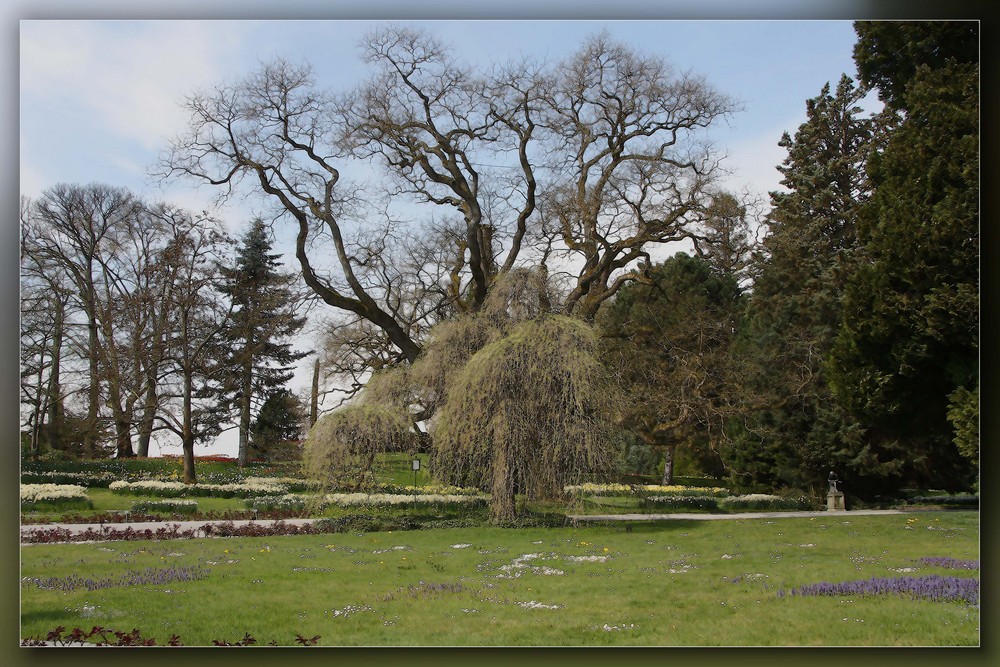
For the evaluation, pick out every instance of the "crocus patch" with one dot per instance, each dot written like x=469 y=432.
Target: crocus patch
x=934 y=587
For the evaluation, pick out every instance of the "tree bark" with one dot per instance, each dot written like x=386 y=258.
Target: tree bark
x=314 y=403
x=668 y=465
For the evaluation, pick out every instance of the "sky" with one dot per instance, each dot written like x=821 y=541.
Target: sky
x=100 y=99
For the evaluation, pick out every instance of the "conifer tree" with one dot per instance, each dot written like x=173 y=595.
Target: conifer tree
x=260 y=360
x=276 y=432
x=667 y=341
x=907 y=351
x=793 y=432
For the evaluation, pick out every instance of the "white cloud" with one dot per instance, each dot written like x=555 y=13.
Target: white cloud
x=129 y=75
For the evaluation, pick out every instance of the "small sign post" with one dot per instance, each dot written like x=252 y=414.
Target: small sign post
x=415 y=464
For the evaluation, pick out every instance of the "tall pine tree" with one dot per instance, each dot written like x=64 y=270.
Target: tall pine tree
x=908 y=347
x=261 y=359
x=793 y=432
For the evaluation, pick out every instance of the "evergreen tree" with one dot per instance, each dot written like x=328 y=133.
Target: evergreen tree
x=908 y=345
x=276 y=432
x=793 y=432
x=667 y=340
x=260 y=358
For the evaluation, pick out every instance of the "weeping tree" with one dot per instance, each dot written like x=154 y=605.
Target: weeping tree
x=341 y=448
x=529 y=413
x=515 y=398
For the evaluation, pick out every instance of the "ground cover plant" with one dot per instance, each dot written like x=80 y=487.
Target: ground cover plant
x=662 y=583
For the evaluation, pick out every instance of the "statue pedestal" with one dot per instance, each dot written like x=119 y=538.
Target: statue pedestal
x=835 y=502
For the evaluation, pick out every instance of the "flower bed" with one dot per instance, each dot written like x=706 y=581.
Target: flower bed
x=934 y=587
x=429 y=489
x=293 y=484
x=289 y=502
x=399 y=499
x=88 y=479
x=54 y=495
x=951 y=563
x=762 y=501
x=645 y=490
x=179 y=489
x=171 y=505
x=707 y=503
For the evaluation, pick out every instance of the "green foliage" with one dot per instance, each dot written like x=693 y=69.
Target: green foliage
x=343 y=445
x=155 y=506
x=260 y=360
x=528 y=413
x=666 y=339
x=909 y=336
x=274 y=435
x=789 y=431
x=889 y=53
x=963 y=413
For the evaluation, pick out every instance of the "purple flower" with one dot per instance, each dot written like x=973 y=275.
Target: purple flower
x=952 y=563
x=934 y=587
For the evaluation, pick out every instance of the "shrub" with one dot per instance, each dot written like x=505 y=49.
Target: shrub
x=958 y=500
x=34 y=496
x=89 y=479
x=343 y=445
x=176 y=506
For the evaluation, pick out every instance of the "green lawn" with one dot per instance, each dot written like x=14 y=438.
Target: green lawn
x=663 y=584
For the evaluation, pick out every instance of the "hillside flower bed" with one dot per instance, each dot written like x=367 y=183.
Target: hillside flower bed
x=762 y=501
x=399 y=499
x=179 y=489
x=171 y=505
x=60 y=495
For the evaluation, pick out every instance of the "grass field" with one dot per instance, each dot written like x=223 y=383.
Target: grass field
x=662 y=584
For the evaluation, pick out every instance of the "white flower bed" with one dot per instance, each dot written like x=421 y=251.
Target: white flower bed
x=398 y=499
x=290 y=502
x=177 y=489
x=590 y=489
x=168 y=505
x=61 y=494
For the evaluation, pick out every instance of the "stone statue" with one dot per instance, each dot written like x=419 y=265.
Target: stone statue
x=832 y=479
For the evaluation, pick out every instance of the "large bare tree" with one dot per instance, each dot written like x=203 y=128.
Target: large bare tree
x=585 y=164
x=79 y=232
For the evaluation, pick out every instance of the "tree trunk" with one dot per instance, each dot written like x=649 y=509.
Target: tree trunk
x=148 y=414
x=668 y=465
x=94 y=390
x=54 y=428
x=187 y=431
x=314 y=403
x=244 y=453
x=503 y=500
